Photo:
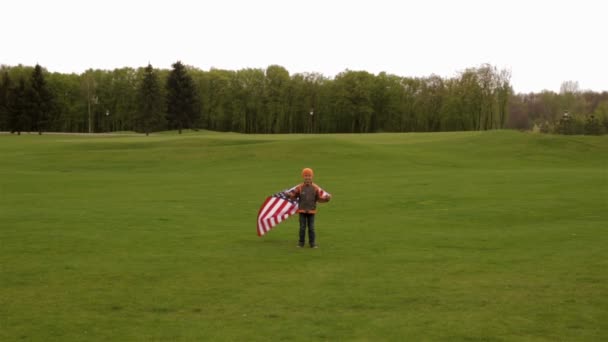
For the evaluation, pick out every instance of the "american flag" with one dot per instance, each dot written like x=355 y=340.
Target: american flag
x=275 y=209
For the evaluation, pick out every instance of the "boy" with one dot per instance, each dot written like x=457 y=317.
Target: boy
x=308 y=194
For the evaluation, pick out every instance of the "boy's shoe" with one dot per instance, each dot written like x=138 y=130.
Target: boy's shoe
x=300 y=245
x=314 y=246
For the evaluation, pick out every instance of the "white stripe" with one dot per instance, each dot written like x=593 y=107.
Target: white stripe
x=323 y=193
x=261 y=227
x=266 y=227
x=268 y=206
x=261 y=221
x=278 y=216
x=271 y=223
x=269 y=218
x=271 y=212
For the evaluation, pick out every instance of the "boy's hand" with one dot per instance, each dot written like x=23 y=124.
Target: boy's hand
x=325 y=199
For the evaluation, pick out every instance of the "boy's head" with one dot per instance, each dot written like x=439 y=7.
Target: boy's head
x=307 y=175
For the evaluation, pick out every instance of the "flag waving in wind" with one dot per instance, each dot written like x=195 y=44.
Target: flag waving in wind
x=279 y=207
x=275 y=209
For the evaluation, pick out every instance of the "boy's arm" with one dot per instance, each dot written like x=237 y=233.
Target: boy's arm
x=324 y=200
x=293 y=193
x=323 y=196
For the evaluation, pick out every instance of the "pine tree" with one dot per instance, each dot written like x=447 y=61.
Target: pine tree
x=18 y=118
x=593 y=126
x=149 y=114
x=39 y=101
x=182 y=98
x=5 y=85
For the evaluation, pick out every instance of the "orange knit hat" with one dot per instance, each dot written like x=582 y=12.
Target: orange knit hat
x=307 y=171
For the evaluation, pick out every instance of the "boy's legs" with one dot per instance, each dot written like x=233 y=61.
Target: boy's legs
x=302 y=229
x=311 y=229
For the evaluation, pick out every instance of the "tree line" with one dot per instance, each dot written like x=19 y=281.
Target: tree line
x=250 y=100
x=569 y=111
x=267 y=100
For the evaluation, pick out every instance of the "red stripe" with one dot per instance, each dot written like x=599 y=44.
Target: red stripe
x=263 y=205
x=266 y=221
x=271 y=207
x=273 y=201
x=280 y=210
x=277 y=213
x=264 y=217
x=262 y=208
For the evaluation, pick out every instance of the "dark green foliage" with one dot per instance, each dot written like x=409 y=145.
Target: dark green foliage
x=5 y=85
x=69 y=103
x=545 y=127
x=150 y=103
x=570 y=124
x=601 y=114
x=18 y=118
x=272 y=100
x=526 y=110
x=182 y=99
x=593 y=126
x=40 y=101
x=353 y=100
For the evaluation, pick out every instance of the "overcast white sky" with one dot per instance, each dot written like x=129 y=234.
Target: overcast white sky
x=542 y=42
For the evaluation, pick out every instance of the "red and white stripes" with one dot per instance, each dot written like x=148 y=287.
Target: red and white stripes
x=274 y=210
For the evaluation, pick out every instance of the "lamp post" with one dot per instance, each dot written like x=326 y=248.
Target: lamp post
x=89 y=101
x=312 y=120
x=95 y=100
x=107 y=123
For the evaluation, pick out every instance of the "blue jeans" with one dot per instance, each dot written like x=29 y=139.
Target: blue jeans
x=307 y=219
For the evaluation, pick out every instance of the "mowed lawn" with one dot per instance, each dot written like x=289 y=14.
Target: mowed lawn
x=446 y=236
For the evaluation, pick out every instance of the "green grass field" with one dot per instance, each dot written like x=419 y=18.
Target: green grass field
x=447 y=236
